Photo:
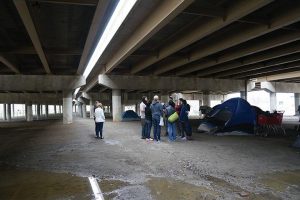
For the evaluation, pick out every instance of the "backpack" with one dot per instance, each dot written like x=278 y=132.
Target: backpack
x=148 y=111
x=188 y=107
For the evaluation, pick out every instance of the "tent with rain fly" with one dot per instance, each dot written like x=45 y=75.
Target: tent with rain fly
x=235 y=114
x=130 y=115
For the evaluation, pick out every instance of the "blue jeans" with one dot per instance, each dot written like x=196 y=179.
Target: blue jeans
x=172 y=131
x=143 y=122
x=148 y=128
x=156 y=128
x=99 y=128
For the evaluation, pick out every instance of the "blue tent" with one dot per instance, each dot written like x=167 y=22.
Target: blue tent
x=234 y=114
x=130 y=115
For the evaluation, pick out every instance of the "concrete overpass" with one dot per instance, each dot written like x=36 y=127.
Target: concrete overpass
x=161 y=47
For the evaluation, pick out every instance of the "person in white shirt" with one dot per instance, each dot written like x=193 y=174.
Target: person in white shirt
x=142 y=114
x=99 y=120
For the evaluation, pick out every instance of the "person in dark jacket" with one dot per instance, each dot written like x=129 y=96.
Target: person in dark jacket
x=179 y=124
x=170 y=109
x=148 y=120
x=183 y=117
x=157 y=113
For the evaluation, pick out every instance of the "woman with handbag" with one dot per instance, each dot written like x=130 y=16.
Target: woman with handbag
x=172 y=116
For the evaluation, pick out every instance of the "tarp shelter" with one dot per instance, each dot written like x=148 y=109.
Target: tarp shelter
x=130 y=115
x=234 y=114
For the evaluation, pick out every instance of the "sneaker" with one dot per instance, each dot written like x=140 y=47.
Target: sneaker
x=143 y=138
x=96 y=136
x=150 y=139
x=183 y=138
x=101 y=137
x=147 y=139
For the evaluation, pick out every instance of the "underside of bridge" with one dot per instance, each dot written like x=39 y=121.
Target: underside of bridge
x=60 y=56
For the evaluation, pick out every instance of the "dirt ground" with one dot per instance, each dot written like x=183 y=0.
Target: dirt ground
x=49 y=160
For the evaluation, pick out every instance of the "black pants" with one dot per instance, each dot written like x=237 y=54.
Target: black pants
x=99 y=128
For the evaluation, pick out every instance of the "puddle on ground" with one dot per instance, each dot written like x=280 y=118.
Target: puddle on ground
x=236 y=191
x=108 y=186
x=162 y=189
x=281 y=181
x=112 y=142
x=29 y=184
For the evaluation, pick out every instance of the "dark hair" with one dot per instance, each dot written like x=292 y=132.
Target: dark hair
x=181 y=99
x=144 y=98
x=171 y=103
x=184 y=101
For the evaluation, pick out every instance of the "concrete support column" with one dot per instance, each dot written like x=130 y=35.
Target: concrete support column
x=83 y=110
x=243 y=95
x=297 y=102
x=91 y=109
x=116 y=105
x=4 y=112
x=29 y=115
x=38 y=111
x=13 y=110
x=272 y=101
x=47 y=110
x=55 y=110
x=79 y=110
x=67 y=107
x=164 y=97
x=9 y=112
x=206 y=99
x=60 y=108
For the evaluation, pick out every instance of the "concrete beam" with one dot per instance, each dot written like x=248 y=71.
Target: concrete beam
x=289 y=68
x=85 y=95
x=288 y=75
x=169 y=83
x=246 y=50
x=91 y=37
x=279 y=87
x=275 y=53
x=162 y=15
x=71 y=2
x=28 y=23
x=237 y=11
x=285 y=18
x=35 y=98
x=40 y=82
x=9 y=65
x=284 y=62
x=30 y=50
x=90 y=84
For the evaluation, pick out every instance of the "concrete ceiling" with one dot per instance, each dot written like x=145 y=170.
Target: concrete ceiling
x=211 y=39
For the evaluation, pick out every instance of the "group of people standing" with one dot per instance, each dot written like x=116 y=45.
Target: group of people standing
x=155 y=114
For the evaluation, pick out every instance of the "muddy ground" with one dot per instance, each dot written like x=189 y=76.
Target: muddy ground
x=49 y=160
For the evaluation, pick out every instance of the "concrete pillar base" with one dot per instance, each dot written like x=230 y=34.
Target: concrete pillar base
x=116 y=105
x=8 y=112
x=91 y=109
x=29 y=115
x=273 y=101
x=84 y=110
x=67 y=107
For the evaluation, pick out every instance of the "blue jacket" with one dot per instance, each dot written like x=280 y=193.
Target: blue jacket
x=157 y=109
x=184 y=113
x=169 y=111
